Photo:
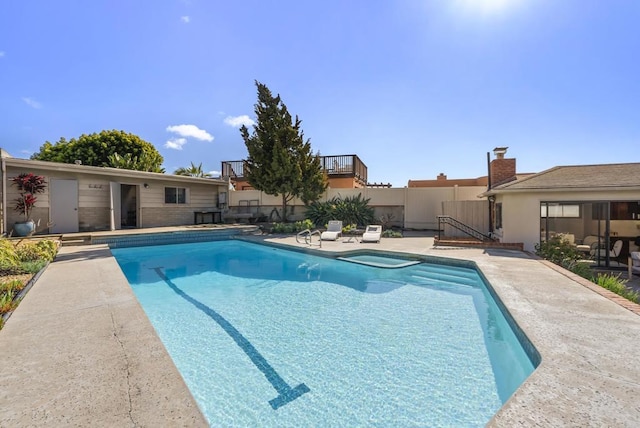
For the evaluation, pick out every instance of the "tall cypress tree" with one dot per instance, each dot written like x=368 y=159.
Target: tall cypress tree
x=280 y=161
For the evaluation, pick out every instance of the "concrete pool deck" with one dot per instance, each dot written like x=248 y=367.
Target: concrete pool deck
x=79 y=349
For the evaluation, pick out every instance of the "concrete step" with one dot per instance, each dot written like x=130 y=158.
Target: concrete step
x=75 y=240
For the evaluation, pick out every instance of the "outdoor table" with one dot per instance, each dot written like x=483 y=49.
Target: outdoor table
x=353 y=234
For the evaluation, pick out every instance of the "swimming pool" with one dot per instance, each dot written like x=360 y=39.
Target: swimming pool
x=269 y=337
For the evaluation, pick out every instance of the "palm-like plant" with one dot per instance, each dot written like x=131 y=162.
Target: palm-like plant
x=192 y=171
x=350 y=210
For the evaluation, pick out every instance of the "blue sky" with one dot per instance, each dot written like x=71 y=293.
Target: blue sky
x=414 y=88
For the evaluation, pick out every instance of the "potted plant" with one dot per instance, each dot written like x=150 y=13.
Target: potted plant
x=28 y=185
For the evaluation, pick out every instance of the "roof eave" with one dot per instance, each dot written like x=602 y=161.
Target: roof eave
x=560 y=189
x=98 y=170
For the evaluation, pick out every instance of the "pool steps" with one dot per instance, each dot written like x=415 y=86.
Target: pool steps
x=433 y=274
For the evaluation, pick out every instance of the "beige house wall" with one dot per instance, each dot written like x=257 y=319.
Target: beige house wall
x=94 y=204
x=521 y=213
x=155 y=212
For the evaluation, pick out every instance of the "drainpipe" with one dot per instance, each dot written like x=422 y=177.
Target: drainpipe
x=3 y=226
x=489 y=188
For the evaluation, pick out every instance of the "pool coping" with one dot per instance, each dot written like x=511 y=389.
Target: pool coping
x=79 y=348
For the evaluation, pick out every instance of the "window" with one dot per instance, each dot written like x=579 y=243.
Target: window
x=625 y=210
x=175 y=195
x=560 y=210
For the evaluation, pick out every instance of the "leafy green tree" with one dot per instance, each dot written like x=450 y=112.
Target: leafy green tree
x=144 y=163
x=192 y=171
x=280 y=160
x=108 y=148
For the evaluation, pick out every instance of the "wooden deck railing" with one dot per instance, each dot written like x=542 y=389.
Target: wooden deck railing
x=233 y=169
x=335 y=166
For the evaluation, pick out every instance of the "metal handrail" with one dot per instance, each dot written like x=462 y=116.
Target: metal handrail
x=465 y=228
x=308 y=234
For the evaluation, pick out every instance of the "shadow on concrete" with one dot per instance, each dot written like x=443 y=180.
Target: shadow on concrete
x=82 y=254
x=496 y=252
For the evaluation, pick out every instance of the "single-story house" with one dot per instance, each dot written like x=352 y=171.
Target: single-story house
x=595 y=205
x=81 y=198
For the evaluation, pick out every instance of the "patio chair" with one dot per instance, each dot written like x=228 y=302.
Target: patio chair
x=589 y=243
x=333 y=232
x=372 y=233
x=614 y=252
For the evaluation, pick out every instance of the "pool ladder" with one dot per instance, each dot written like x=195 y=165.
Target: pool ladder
x=306 y=237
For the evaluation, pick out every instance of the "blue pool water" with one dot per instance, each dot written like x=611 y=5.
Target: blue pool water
x=269 y=337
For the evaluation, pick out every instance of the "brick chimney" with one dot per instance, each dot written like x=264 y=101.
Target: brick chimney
x=502 y=170
x=441 y=176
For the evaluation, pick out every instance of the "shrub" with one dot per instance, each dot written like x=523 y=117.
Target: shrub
x=7 y=288
x=615 y=284
x=28 y=257
x=559 y=251
x=389 y=233
x=386 y=220
x=298 y=226
x=7 y=303
x=581 y=269
x=33 y=266
x=13 y=286
x=8 y=267
x=562 y=253
x=350 y=210
x=48 y=248
x=321 y=212
x=348 y=228
x=41 y=250
x=8 y=252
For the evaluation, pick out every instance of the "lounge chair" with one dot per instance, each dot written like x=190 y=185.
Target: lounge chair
x=372 y=233
x=333 y=232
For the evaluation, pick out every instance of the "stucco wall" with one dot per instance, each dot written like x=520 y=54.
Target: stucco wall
x=521 y=219
x=411 y=208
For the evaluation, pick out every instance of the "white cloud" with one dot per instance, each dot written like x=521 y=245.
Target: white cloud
x=1 y=54
x=215 y=173
x=175 y=143
x=238 y=121
x=191 y=131
x=32 y=103
x=185 y=19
